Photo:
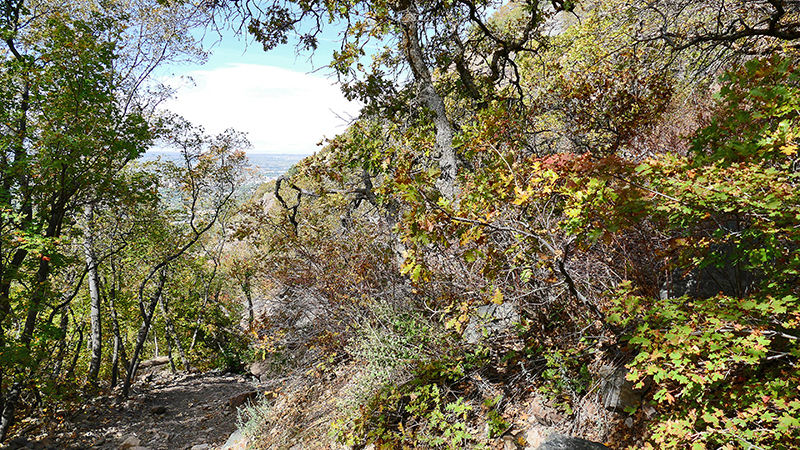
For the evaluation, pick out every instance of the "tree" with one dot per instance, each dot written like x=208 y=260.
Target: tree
x=421 y=39
x=77 y=104
x=755 y=27
x=67 y=139
x=204 y=183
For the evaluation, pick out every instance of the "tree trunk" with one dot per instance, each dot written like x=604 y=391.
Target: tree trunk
x=78 y=346
x=171 y=333
x=9 y=408
x=9 y=401
x=94 y=295
x=248 y=293
x=119 y=343
x=172 y=367
x=156 y=350
x=147 y=312
x=445 y=153
x=62 y=344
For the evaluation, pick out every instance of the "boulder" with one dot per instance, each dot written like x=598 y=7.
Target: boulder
x=557 y=441
x=259 y=369
x=17 y=443
x=240 y=399
x=236 y=441
x=618 y=392
x=490 y=319
x=129 y=442
x=159 y=361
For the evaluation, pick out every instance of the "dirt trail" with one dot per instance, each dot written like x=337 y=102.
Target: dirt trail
x=164 y=412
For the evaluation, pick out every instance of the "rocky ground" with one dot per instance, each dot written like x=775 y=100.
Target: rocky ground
x=165 y=411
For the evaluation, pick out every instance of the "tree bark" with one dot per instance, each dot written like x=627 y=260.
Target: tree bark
x=173 y=335
x=148 y=311
x=77 y=354
x=62 y=344
x=94 y=296
x=248 y=293
x=445 y=153
x=119 y=343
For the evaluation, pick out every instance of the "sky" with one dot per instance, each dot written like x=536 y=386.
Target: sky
x=278 y=99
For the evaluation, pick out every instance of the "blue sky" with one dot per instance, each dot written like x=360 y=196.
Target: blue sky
x=275 y=97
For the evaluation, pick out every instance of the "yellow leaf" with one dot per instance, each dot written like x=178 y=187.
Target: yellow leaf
x=497 y=299
x=521 y=196
x=789 y=149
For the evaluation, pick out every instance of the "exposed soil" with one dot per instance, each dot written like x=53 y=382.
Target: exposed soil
x=164 y=412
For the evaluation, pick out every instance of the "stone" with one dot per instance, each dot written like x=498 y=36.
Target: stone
x=558 y=441
x=618 y=392
x=490 y=319
x=259 y=369
x=236 y=441
x=539 y=413
x=509 y=442
x=159 y=361
x=160 y=409
x=629 y=422
x=129 y=442
x=729 y=277
x=17 y=443
x=240 y=399
x=201 y=447
x=535 y=435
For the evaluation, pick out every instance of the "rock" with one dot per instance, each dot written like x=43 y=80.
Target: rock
x=236 y=441
x=129 y=443
x=543 y=414
x=201 y=447
x=259 y=369
x=557 y=441
x=159 y=361
x=510 y=442
x=729 y=277
x=17 y=443
x=619 y=393
x=160 y=409
x=240 y=399
x=490 y=319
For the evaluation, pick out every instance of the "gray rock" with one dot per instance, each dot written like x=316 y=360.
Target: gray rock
x=160 y=409
x=159 y=361
x=557 y=441
x=129 y=442
x=619 y=393
x=236 y=440
x=728 y=276
x=240 y=399
x=490 y=319
x=17 y=443
x=259 y=369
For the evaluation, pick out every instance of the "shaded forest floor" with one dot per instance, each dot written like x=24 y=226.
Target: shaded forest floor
x=165 y=411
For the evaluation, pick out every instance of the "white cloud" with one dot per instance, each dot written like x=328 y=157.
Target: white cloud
x=282 y=111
